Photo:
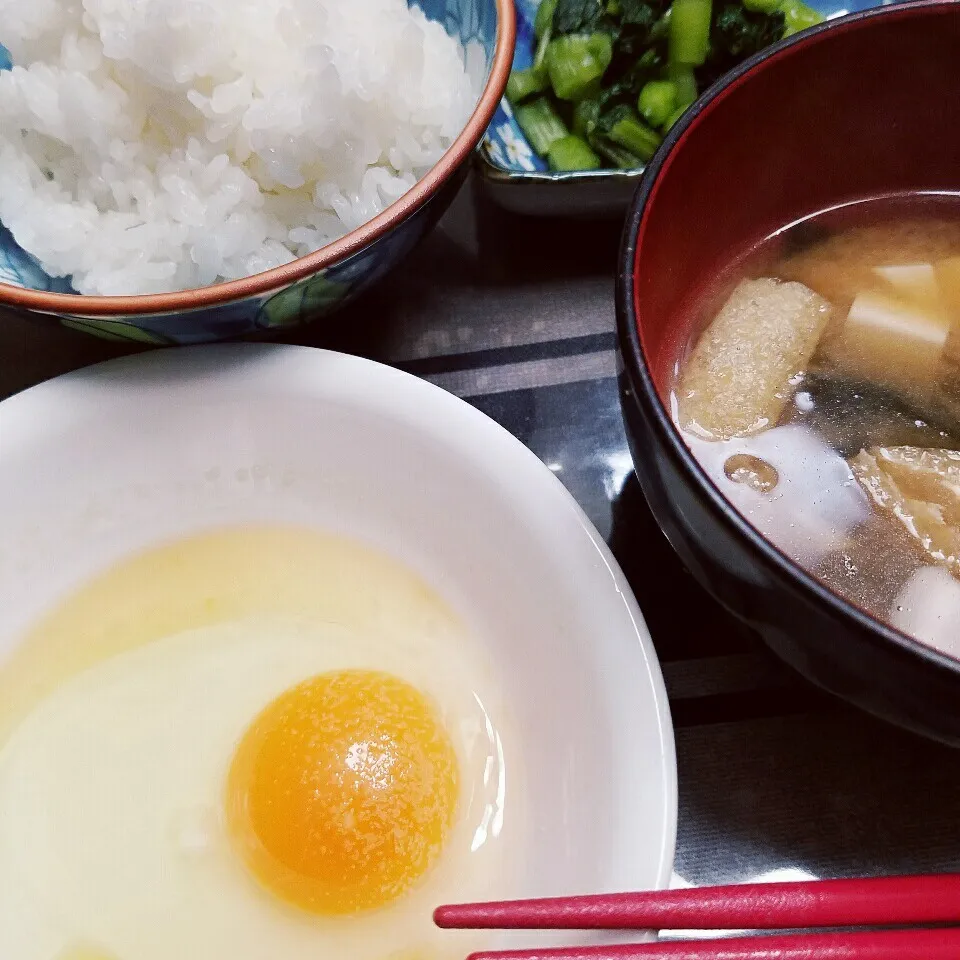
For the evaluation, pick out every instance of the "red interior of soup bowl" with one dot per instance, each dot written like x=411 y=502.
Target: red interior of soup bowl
x=862 y=107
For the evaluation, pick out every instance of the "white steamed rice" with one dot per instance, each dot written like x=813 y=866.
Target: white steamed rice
x=157 y=145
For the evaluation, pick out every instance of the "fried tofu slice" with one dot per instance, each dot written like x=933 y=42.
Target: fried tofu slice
x=744 y=368
x=919 y=488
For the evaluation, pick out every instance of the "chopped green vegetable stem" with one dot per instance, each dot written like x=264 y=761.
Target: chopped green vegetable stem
x=658 y=100
x=661 y=29
x=541 y=124
x=674 y=117
x=685 y=81
x=572 y=153
x=524 y=84
x=576 y=62
x=690 y=31
x=585 y=116
x=619 y=156
x=799 y=16
x=544 y=18
x=540 y=56
x=639 y=139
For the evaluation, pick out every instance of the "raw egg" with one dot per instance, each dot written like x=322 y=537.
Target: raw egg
x=272 y=743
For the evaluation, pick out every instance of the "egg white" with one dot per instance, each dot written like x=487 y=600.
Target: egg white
x=112 y=831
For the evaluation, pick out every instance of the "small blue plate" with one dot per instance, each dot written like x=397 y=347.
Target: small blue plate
x=517 y=179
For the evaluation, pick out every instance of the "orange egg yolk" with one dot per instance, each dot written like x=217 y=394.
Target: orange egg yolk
x=342 y=792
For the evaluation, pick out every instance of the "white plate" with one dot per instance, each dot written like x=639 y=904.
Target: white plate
x=105 y=461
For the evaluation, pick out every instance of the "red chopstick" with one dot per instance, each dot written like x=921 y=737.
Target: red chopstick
x=881 y=902
x=885 y=945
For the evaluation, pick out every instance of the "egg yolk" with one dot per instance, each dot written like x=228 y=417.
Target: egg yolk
x=342 y=792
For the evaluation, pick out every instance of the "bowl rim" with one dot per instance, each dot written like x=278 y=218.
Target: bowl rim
x=270 y=281
x=634 y=356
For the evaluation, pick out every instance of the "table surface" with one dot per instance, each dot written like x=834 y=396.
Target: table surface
x=516 y=315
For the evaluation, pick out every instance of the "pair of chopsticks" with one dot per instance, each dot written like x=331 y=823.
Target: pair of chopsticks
x=892 y=902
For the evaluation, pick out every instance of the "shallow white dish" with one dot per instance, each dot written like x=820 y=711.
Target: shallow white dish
x=101 y=463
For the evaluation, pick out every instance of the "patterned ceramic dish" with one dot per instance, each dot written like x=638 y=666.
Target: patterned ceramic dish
x=517 y=179
x=312 y=286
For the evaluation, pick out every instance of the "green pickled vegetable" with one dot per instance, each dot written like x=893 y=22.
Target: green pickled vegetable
x=658 y=101
x=610 y=77
x=543 y=22
x=524 y=84
x=627 y=130
x=576 y=63
x=572 y=153
x=617 y=156
x=541 y=124
x=543 y=31
x=585 y=116
x=685 y=80
x=798 y=16
x=737 y=33
x=674 y=117
x=690 y=22
x=621 y=137
x=540 y=57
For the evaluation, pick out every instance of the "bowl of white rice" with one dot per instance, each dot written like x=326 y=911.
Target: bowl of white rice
x=181 y=171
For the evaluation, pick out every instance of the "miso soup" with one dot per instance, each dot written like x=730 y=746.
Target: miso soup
x=820 y=391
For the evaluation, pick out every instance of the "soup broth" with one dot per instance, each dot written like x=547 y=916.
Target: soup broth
x=820 y=391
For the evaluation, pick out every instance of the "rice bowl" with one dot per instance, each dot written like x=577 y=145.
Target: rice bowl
x=163 y=146
x=310 y=287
